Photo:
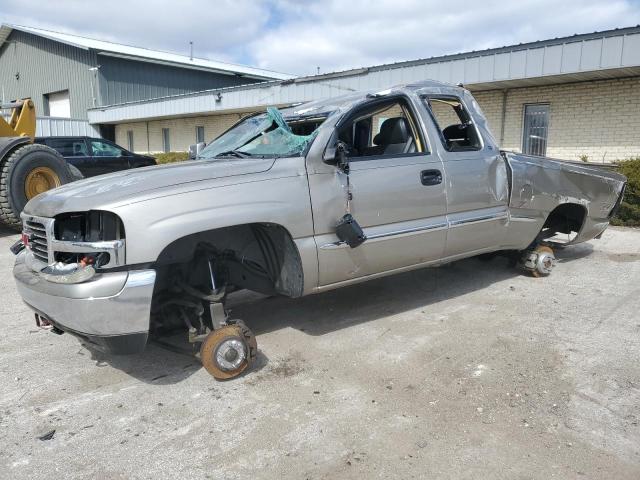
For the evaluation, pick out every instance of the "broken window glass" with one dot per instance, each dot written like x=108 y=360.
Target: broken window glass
x=264 y=135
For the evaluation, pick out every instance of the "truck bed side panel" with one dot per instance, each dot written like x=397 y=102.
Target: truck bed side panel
x=541 y=184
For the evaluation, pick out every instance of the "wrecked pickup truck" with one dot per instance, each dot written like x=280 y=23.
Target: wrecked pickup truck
x=294 y=202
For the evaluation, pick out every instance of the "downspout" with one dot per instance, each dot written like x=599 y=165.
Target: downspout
x=148 y=145
x=503 y=117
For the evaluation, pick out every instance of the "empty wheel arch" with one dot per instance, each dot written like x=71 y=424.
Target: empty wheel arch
x=566 y=218
x=261 y=257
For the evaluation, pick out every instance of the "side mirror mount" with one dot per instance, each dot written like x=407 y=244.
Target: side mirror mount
x=338 y=155
x=194 y=150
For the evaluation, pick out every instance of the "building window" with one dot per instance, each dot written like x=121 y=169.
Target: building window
x=57 y=104
x=536 y=130
x=130 y=140
x=166 y=144
x=199 y=134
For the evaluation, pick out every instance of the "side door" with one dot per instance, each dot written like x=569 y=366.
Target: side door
x=108 y=157
x=74 y=150
x=398 y=194
x=477 y=187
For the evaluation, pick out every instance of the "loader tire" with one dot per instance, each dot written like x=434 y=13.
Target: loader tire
x=29 y=170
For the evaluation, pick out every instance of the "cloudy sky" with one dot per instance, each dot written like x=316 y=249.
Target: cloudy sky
x=299 y=36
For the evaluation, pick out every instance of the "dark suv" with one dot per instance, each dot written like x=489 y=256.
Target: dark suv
x=95 y=156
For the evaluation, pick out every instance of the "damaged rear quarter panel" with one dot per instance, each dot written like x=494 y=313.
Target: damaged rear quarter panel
x=541 y=184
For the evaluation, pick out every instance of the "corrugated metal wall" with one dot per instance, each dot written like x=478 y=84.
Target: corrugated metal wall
x=124 y=80
x=44 y=67
x=51 y=127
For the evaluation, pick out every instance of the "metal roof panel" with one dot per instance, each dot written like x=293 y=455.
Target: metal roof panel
x=144 y=54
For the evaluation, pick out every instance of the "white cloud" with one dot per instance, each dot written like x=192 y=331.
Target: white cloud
x=219 y=30
x=297 y=37
x=338 y=34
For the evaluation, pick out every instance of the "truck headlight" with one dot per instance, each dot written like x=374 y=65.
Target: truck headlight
x=94 y=238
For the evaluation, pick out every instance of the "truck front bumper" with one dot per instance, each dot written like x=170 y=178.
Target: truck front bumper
x=110 y=311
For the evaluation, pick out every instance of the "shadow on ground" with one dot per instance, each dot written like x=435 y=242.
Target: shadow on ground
x=7 y=232
x=174 y=359
x=168 y=363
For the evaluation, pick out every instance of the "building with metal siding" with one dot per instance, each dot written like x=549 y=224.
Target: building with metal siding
x=582 y=89
x=33 y=66
x=123 y=80
x=67 y=74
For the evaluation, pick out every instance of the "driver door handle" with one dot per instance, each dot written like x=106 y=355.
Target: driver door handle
x=430 y=177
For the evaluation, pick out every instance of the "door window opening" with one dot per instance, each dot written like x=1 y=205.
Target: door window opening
x=382 y=130
x=457 y=130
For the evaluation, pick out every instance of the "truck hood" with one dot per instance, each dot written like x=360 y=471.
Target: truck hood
x=142 y=183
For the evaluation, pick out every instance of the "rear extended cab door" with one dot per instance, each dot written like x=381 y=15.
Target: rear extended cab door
x=476 y=179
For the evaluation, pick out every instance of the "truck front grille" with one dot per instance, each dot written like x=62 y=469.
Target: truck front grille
x=38 y=243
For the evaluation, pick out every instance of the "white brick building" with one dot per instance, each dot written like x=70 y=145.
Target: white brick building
x=596 y=119
x=574 y=97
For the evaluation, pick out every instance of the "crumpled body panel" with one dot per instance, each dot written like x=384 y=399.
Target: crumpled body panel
x=541 y=184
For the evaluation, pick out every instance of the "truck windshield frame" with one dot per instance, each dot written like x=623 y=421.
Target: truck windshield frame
x=266 y=135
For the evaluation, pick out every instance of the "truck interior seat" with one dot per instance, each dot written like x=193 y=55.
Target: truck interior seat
x=458 y=136
x=77 y=150
x=394 y=137
x=361 y=136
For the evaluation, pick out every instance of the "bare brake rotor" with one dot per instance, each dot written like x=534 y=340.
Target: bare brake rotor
x=227 y=351
x=543 y=263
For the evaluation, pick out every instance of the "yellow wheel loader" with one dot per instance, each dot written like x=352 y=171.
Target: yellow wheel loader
x=26 y=169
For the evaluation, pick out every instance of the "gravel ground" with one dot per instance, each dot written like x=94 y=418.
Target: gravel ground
x=471 y=370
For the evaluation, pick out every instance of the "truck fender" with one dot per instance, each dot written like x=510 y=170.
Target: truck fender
x=8 y=144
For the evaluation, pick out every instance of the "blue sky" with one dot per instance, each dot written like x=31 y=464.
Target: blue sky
x=299 y=36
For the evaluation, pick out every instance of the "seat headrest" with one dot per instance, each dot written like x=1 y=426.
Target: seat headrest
x=455 y=133
x=392 y=130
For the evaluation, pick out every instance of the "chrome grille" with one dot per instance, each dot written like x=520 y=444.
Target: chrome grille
x=38 y=242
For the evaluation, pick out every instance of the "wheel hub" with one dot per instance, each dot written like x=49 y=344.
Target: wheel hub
x=39 y=180
x=230 y=354
x=545 y=262
x=227 y=351
x=539 y=261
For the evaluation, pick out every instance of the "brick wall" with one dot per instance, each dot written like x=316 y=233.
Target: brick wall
x=444 y=113
x=182 y=132
x=599 y=119
x=491 y=104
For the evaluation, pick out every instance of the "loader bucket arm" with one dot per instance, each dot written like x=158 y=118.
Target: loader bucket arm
x=22 y=122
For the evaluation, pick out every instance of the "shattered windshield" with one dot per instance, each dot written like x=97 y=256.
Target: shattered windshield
x=264 y=135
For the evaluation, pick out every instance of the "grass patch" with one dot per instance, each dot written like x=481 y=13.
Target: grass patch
x=171 y=157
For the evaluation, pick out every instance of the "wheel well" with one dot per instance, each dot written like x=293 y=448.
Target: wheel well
x=258 y=256
x=565 y=218
x=9 y=144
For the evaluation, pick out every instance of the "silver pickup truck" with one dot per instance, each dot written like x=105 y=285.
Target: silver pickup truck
x=294 y=202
